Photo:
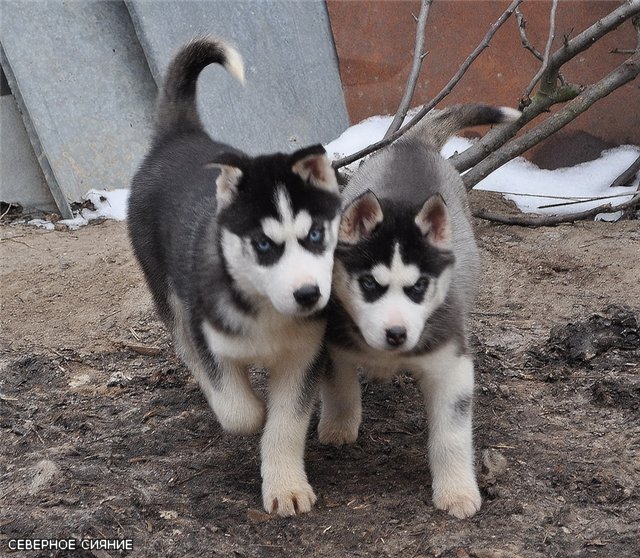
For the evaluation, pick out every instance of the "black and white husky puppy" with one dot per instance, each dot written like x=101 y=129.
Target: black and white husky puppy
x=404 y=280
x=238 y=254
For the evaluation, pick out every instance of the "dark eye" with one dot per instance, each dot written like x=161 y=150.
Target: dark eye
x=420 y=286
x=316 y=235
x=368 y=283
x=263 y=244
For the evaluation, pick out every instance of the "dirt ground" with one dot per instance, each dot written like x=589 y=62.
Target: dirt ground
x=104 y=434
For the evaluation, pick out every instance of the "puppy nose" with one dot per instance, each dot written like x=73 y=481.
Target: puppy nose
x=396 y=336
x=307 y=295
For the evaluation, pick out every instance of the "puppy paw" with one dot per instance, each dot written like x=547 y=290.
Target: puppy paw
x=245 y=419
x=459 y=501
x=337 y=434
x=289 y=499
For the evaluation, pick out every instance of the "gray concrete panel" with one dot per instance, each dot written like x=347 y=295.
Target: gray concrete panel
x=293 y=96
x=21 y=178
x=85 y=91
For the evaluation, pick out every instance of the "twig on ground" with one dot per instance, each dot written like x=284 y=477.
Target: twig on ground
x=526 y=220
x=586 y=200
x=547 y=49
x=9 y=206
x=147 y=350
x=418 y=57
x=443 y=93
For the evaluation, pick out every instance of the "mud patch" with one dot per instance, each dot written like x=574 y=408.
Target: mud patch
x=136 y=452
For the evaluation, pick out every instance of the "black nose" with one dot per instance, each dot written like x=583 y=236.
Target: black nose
x=396 y=336
x=307 y=295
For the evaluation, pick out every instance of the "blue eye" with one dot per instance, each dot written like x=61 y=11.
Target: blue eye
x=368 y=283
x=316 y=235
x=420 y=285
x=263 y=244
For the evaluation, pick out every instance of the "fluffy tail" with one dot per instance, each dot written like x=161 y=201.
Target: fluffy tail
x=177 y=109
x=439 y=125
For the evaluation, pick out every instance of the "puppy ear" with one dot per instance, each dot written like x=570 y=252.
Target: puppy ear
x=360 y=218
x=313 y=166
x=434 y=222
x=227 y=181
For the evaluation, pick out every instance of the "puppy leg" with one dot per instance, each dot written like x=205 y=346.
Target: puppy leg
x=447 y=385
x=225 y=384
x=341 y=412
x=292 y=390
x=231 y=397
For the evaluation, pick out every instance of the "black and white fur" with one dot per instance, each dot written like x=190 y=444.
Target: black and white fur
x=405 y=274
x=238 y=254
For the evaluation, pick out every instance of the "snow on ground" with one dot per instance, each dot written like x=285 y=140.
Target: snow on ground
x=533 y=190
x=108 y=205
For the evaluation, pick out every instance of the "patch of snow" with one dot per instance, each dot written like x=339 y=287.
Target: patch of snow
x=109 y=204
x=532 y=189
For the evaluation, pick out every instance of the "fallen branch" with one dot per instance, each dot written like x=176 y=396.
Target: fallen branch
x=526 y=220
x=147 y=350
x=627 y=177
x=418 y=57
x=624 y=73
x=443 y=93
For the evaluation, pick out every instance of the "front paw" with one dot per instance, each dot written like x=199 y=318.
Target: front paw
x=287 y=498
x=460 y=501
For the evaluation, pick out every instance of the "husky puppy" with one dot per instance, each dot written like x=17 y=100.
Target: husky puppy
x=238 y=254
x=404 y=280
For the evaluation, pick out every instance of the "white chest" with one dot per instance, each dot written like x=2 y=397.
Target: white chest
x=266 y=339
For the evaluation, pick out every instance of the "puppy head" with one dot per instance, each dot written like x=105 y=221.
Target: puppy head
x=393 y=268
x=279 y=217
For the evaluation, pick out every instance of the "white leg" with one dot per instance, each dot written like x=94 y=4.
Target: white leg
x=285 y=489
x=225 y=384
x=447 y=385
x=236 y=406
x=341 y=412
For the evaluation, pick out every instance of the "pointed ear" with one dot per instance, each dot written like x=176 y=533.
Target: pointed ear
x=360 y=218
x=229 y=165
x=434 y=223
x=313 y=166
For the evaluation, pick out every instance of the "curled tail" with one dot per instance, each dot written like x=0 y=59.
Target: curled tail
x=439 y=125
x=177 y=108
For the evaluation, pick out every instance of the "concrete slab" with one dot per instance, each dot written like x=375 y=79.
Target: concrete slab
x=21 y=178
x=293 y=96
x=85 y=93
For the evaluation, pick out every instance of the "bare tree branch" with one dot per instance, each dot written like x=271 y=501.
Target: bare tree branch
x=581 y=42
x=549 y=93
x=624 y=73
x=547 y=49
x=526 y=220
x=626 y=178
x=522 y=25
x=418 y=57
x=445 y=91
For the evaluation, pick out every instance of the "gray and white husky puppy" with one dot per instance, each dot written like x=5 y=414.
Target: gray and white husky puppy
x=238 y=254
x=404 y=280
